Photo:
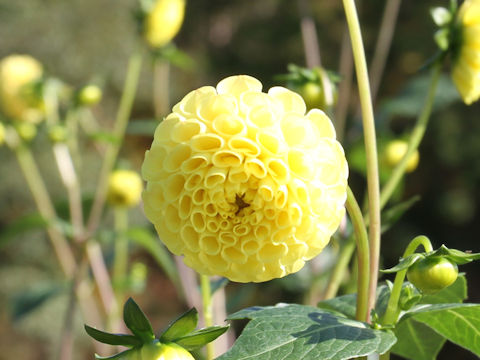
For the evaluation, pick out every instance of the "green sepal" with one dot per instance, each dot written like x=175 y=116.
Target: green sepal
x=441 y=16
x=199 y=338
x=404 y=263
x=457 y=256
x=137 y=322
x=183 y=325
x=442 y=38
x=130 y=354
x=409 y=297
x=113 y=339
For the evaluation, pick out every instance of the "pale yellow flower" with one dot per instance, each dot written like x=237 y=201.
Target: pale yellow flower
x=245 y=184
x=16 y=99
x=396 y=150
x=124 y=188
x=163 y=22
x=466 y=59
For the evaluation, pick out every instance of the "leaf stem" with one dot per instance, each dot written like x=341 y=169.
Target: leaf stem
x=123 y=115
x=392 y=311
x=415 y=138
x=370 y=145
x=207 y=311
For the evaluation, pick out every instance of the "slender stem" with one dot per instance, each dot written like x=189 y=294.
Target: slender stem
x=363 y=256
x=161 y=100
x=370 y=145
x=392 y=311
x=384 y=41
x=45 y=207
x=309 y=35
x=207 y=310
x=415 y=138
x=121 y=252
x=338 y=272
x=123 y=115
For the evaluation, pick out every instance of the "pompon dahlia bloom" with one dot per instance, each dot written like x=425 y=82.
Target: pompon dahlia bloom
x=16 y=73
x=243 y=183
x=466 y=56
x=163 y=22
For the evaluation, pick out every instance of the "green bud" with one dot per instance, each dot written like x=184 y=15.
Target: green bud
x=89 y=95
x=57 y=133
x=26 y=131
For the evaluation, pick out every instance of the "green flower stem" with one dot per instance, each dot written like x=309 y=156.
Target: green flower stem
x=392 y=311
x=339 y=269
x=415 y=138
x=123 y=115
x=120 y=261
x=363 y=256
x=207 y=310
x=370 y=145
x=42 y=199
x=161 y=100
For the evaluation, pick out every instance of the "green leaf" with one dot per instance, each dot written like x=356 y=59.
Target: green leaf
x=124 y=355
x=199 y=338
x=392 y=215
x=296 y=332
x=136 y=321
x=113 y=339
x=150 y=242
x=417 y=341
x=30 y=299
x=459 y=323
x=455 y=293
x=186 y=323
x=404 y=263
x=24 y=224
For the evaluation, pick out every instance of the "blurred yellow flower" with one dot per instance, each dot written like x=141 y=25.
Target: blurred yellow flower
x=466 y=60
x=243 y=183
x=163 y=22
x=89 y=95
x=124 y=188
x=17 y=101
x=396 y=150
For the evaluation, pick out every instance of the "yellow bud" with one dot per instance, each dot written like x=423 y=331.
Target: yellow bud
x=17 y=73
x=89 y=95
x=243 y=183
x=396 y=150
x=27 y=131
x=124 y=188
x=163 y=22
x=169 y=351
x=57 y=133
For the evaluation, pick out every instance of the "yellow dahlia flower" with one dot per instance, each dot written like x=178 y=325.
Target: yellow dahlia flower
x=243 y=183
x=466 y=61
x=124 y=188
x=163 y=22
x=16 y=99
x=396 y=150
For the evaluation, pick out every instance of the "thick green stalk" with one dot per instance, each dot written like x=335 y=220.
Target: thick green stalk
x=207 y=310
x=123 y=115
x=370 y=145
x=415 y=138
x=363 y=255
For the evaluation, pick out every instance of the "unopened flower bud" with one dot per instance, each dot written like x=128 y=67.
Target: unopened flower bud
x=27 y=131
x=163 y=22
x=396 y=150
x=89 y=95
x=124 y=188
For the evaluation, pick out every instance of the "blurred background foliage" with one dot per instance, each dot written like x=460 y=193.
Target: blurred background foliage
x=80 y=41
